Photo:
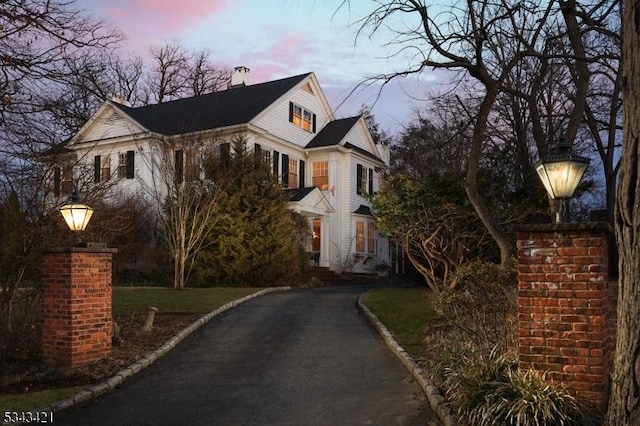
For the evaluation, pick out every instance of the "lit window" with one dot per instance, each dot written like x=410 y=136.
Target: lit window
x=293 y=173
x=371 y=240
x=302 y=118
x=321 y=175
x=360 y=237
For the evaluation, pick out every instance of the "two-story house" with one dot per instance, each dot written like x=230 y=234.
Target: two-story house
x=329 y=166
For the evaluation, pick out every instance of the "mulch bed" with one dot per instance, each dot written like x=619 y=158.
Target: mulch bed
x=23 y=371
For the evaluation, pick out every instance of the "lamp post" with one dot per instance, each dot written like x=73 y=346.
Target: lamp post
x=76 y=215
x=561 y=173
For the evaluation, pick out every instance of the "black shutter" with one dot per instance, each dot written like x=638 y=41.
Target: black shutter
x=225 y=153
x=314 y=123
x=301 y=175
x=291 y=112
x=359 y=172
x=96 y=169
x=179 y=165
x=285 y=170
x=370 y=181
x=257 y=148
x=130 y=165
x=57 y=181
x=276 y=163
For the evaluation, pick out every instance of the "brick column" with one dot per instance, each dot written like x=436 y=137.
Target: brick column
x=76 y=305
x=564 y=307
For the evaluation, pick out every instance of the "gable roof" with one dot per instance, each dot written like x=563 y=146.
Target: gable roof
x=237 y=105
x=297 y=194
x=333 y=132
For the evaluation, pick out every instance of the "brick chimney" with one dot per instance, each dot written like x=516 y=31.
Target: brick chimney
x=240 y=77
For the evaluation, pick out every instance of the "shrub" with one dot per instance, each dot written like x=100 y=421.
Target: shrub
x=492 y=391
x=483 y=309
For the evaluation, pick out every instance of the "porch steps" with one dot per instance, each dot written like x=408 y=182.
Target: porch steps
x=326 y=275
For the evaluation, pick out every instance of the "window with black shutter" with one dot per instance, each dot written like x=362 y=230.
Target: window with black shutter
x=130 y=164
x=285 y=170
x=276 y=163
x=96 y=169
x=57 y=181
x=359 y=174
x=179 y=163
x=370 y=182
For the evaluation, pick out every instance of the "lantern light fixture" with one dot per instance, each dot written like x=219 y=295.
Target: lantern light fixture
x=561 y=173
x=76 y=214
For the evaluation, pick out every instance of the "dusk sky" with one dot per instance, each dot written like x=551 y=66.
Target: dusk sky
x=276 y=39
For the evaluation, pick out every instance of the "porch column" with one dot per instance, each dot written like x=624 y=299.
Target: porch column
x=325 y=241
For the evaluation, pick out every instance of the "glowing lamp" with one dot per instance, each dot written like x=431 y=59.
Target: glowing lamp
x=76 y=214
x=561 y=172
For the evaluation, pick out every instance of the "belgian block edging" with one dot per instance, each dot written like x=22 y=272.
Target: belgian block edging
x=115 y=381
x=436 y=401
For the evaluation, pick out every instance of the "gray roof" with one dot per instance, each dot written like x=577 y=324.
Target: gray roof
x=298 y=194
x=333 y=132
x=363 y=210
x=237 y=105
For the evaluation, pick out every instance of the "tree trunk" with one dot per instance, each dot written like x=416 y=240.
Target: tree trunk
x=471 y=181
x=624 y=401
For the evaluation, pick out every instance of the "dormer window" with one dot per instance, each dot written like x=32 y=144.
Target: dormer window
x=302 y=117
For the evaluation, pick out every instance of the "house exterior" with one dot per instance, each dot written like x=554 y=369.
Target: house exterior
x=327 y=165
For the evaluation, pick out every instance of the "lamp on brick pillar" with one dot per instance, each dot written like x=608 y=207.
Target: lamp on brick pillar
x=76 y=314
x=77 y=215
x=561 y=173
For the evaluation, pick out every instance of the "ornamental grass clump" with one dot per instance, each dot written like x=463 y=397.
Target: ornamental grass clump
x=493 y=391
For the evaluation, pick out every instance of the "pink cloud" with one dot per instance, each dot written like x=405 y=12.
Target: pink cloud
x=147 y=21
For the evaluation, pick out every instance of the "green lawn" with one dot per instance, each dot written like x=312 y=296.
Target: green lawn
x=405 y=312
x=135 y=300
x=32 y=400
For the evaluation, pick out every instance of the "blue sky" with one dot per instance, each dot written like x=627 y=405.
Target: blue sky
x=280 y=38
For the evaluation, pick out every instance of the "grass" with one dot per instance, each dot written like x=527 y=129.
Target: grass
x=135 y=300
x=31 y=400
x=405 y=312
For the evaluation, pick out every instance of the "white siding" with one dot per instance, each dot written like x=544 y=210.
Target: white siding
x=111 y=126
x=277 y=121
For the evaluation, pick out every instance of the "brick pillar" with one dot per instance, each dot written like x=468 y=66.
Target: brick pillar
x=76 y=305
x=564 y=307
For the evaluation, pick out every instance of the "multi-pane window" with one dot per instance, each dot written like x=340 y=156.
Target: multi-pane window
x=292 y=179
x=360 y=240
x=371 y=239
x=302 y=117
x=125 y=165
x=364 y=180
x=101 y=168
x=105 y=172
x=365 y=237
x=321 y=175
x=62 y=180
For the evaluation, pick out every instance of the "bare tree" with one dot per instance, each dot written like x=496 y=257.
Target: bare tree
x=177 y=73
x=186 y=202
x=203 y=76
x=495 y=43
x=624 y=402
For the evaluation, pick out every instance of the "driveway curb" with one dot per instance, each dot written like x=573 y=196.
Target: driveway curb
x=113 y=382
x=436 y=401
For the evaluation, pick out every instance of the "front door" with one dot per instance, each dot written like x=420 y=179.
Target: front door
x=315 y=242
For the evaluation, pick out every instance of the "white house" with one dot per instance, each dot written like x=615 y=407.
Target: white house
x=328 y=165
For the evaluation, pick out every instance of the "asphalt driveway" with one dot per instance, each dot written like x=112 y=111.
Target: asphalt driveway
x=303 y=357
